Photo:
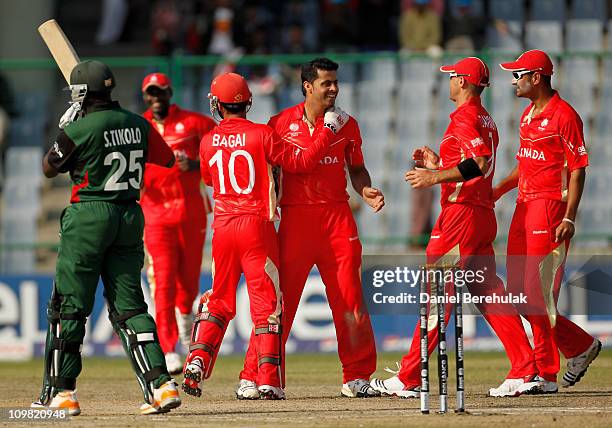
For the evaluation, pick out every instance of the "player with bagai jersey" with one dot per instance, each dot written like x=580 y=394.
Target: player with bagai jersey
x=466 y=229
x=317 y=228
x=175 y=214
x=236 y=160
x=550 y=177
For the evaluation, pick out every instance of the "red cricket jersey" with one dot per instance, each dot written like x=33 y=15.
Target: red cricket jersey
x=471 y=133
x=236 y=158
x=552 y=146
x=170 y=195
x=326 y=183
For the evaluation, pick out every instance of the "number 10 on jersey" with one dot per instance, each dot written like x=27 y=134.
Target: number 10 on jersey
x=217 y=160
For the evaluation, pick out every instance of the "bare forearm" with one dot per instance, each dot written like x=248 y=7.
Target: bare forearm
x=360 y=178
x=574 y=194
x=508 y=183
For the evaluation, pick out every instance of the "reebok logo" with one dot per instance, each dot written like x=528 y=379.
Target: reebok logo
x=57 y=150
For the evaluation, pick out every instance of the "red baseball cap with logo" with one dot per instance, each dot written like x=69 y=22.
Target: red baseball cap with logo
x=473 y=69
x=230 y=88
x=534 y=60
x=156 y=79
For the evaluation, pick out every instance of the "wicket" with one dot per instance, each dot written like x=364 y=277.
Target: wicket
x=437 y=289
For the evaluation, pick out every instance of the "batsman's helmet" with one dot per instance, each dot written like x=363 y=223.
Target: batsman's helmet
x=96 y=75
x=229 y=89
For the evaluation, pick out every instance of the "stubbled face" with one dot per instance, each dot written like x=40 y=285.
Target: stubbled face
x=158 y=100
x=523 y=85
x=324 y=89
x=453 y=88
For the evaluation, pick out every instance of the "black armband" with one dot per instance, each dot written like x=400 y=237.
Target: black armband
x=469 y=169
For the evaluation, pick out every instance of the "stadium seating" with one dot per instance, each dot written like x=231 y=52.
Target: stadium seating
x=510 y=41
x=589 y=9
x=584 y=35
x=551 y=10
x=507 y=10
x=545 y=35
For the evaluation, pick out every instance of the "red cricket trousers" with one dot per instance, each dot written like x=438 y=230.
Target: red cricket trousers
x=246 y=244
x=175 y=257
x=535 y=267
x=325 y=236
x=469 y=231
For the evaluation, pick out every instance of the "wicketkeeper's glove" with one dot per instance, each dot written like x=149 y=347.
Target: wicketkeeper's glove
x=70 y=115
x=335 y=119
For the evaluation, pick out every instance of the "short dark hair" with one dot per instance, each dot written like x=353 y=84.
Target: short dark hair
x=235 y=108
x=310 y=70
x=547 y=80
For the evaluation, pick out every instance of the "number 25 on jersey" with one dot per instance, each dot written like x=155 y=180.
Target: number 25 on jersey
x=119 y=180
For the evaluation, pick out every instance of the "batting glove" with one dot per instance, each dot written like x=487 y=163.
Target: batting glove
x=335 y=119
x=69 y=115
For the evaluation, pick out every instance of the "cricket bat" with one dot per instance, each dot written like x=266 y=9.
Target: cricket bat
x=59 y=46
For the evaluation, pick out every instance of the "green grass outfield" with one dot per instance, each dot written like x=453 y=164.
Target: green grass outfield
x=109 y=396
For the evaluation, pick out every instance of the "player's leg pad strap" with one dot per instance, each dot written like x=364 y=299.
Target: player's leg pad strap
x=207 y=316
x=207 y=335
x=268 y=340
x=65 y=346
x=137 y=331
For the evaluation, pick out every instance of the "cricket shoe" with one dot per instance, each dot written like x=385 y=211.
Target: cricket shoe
x=269 y=392
x=394 y=387
x=247 y=390
x=65 y=400
x=515 y=387
x=543 y=387
x=165 y=398
x=193 y=376
x=173 y=363
x=359 y=388
x=577 y=366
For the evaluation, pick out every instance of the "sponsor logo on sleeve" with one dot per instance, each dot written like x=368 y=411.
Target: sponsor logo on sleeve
x=57 y=150
x=477 y=142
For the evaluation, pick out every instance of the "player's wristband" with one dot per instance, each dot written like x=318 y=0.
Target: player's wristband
x=569 y=221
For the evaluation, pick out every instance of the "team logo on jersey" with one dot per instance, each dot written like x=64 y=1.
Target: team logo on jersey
x=477 y=142
x=543 y=125
x=294 y=127
x=179 y=127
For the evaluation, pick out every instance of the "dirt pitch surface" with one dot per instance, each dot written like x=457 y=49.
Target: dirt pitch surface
x=109 y=396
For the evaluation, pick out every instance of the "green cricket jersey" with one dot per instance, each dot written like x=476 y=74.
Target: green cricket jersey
x=105 y=153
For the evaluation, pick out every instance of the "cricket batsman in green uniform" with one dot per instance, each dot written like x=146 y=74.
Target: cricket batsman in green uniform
x=104 y=148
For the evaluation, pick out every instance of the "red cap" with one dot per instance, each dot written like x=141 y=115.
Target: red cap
x=473 y=69
x=533 y=60
x=230 y=88
x=156 y=79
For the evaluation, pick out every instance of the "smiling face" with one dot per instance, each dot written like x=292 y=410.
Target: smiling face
x=324 y=89
x=158 y=100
